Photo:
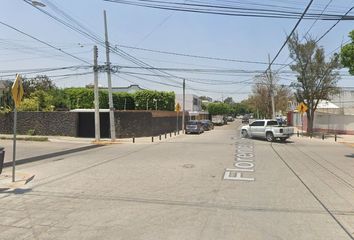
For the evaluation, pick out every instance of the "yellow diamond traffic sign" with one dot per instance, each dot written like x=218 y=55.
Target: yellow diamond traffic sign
x=302 y=107
x=17 y=90
x=178 y=107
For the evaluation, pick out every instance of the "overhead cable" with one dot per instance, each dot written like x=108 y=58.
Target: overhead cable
x=43 y=42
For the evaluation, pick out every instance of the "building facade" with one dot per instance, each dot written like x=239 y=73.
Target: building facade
x=192 y=102
x=130 y=89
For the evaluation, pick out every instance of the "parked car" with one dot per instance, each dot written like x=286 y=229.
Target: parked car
x=268 y=129
x=207 y=125
x=194 y=127
x=246 y=119
x=218 y=120
x=230 y=119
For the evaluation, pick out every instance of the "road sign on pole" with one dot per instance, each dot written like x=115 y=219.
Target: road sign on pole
x=17 y=94
x=17 y=90
x=178 y=107
x=302 y=107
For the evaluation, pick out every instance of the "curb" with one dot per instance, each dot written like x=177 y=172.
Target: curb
x=50 y=155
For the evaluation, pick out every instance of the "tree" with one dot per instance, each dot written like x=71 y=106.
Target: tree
x=347 y=54
x=219 y=108
x=60 y=101
x=260 y=100
x=206 y=98
x=40 y=82
x=229 y=100
x=241 y=108
x=148 y=100
x=6 y=98
x=316 y=78
x=38 y=101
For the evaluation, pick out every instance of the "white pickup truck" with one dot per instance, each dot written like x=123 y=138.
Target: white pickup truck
x=268 y=129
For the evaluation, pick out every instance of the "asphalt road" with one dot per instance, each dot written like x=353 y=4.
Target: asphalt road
x=210 y=186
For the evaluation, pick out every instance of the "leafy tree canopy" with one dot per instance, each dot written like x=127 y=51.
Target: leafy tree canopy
x=316 y=78
x=347 y=54
x=40 y=82
x=219 y=108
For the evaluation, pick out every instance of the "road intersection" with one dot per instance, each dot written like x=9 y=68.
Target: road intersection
x=176 y=189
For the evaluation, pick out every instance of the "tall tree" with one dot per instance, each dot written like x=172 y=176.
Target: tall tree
x=347 y=54
x=316 y=78
x=229 y=100
x=219 y=108
x=260 y=99
x=40 y=82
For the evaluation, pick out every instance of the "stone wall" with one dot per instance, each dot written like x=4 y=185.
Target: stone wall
x=76 y=124
x=145 y=123
x=43 y=123
x=133 y=123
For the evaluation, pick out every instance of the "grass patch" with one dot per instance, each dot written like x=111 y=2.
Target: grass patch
x=35 y=139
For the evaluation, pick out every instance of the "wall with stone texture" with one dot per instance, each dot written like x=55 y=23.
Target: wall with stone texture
x=43 y=123
x=128 y=123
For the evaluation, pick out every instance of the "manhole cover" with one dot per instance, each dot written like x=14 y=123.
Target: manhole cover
x=188 y=165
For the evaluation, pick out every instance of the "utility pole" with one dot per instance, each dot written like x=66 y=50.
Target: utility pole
x=110 y=97
x=183 y=104
x=271 y=89
x=96 y=94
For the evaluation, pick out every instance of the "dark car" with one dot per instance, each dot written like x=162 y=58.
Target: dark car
x=194 y=127
x=246 y=119
x=207 y=125
x=230 y=119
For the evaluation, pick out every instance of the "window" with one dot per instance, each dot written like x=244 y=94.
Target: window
x=272 y=123
x=258 y=124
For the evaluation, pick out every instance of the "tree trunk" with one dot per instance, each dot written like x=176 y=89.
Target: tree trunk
x=310 y=118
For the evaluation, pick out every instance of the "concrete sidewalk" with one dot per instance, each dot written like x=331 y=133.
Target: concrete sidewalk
x=30 y=151
x=326 y=137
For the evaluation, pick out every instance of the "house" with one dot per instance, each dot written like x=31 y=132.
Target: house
x=344 y=100
x=192 y=102
x=130 y=89
x=193 y=105
x=328 y=118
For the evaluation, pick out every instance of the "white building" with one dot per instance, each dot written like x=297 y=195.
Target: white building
x=345 y=100
x=130 y=89
x=192 y=102
x=193 y=106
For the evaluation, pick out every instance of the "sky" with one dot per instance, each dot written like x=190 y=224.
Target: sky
x=131 y=27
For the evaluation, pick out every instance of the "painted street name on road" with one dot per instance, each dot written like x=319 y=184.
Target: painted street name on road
x=244 y=162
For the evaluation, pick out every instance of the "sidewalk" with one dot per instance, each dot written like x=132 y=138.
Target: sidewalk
x=328 y=137
x=55 y=146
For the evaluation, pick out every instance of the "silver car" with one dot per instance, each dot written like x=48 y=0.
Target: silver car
x=194 y=127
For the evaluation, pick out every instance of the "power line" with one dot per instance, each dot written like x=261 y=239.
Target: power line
x=323 y=35
x=41 y=70
x=97 y=39
x=225 y=10
x=196 y=56
x=43 y=42
x=319 y=39
x=291 y=33
x=312 y=25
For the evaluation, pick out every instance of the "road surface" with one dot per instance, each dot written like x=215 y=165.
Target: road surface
x=209 y=186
